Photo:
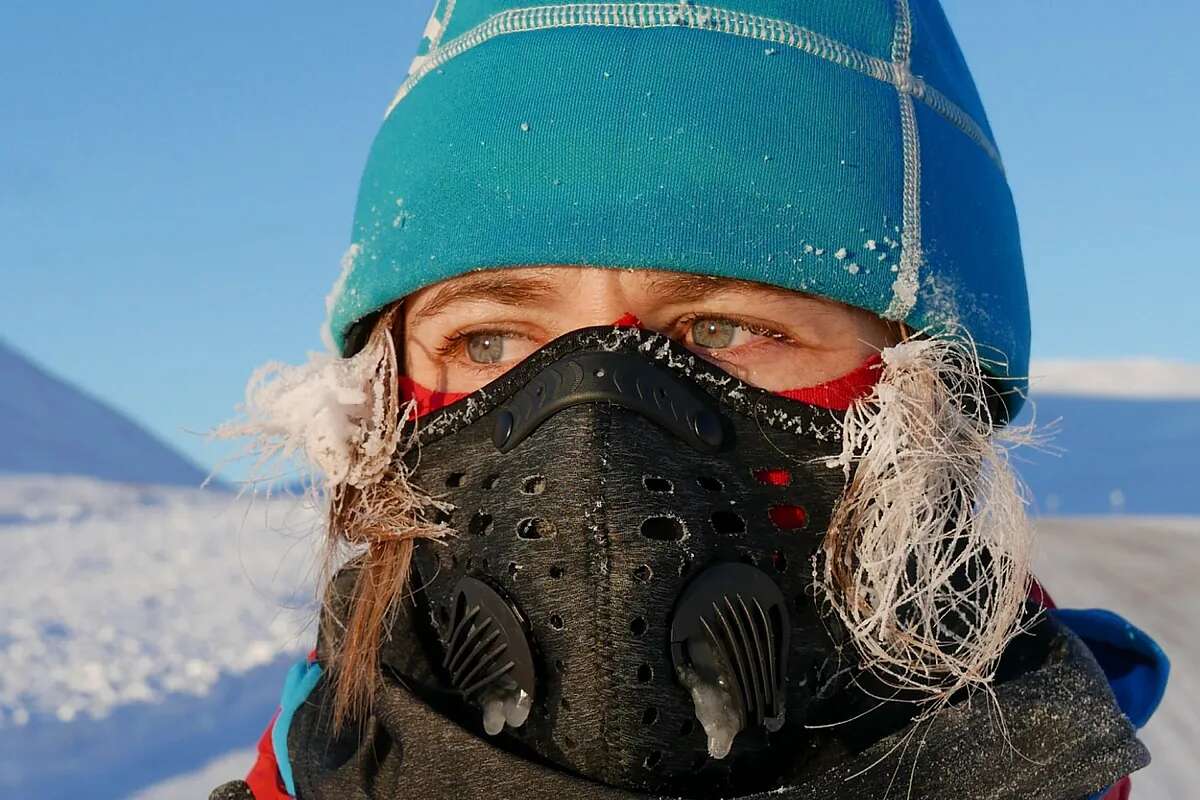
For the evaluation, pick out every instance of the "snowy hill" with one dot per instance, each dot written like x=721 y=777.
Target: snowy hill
x=1142 y=378
x=49 y=427
x=143 y=630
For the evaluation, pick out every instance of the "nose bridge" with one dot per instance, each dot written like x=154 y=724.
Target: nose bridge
x=620 y=378
x=603 y=294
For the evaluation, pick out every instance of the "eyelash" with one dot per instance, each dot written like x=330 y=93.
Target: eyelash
x=453 y=345
x=758 y=329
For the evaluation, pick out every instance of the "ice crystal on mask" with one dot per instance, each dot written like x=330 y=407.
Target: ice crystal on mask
x=505 y=704
x=715 y=710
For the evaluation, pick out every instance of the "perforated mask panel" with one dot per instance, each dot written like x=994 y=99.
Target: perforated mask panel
x=592 y=526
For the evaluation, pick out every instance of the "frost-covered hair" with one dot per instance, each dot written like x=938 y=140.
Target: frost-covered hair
x=926 y=561
x=344 y=419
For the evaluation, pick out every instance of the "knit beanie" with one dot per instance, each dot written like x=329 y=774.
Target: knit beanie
x=837 y=148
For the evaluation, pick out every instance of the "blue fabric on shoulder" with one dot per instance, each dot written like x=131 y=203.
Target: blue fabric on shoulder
x=1136 y=667
x=300 y=681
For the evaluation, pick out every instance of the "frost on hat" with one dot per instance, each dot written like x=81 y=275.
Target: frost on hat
x=835 y=148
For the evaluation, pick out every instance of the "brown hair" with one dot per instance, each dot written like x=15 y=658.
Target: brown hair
x=378 y=515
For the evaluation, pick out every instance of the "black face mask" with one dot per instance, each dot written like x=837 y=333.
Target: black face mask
x=635 y=536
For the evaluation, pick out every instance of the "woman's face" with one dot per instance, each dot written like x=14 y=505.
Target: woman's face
x=464 y=332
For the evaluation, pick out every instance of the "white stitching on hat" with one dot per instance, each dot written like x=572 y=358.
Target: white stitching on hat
x=737 y=23
x=435 y=28
x=961 y=119
x=904 y=287
x=433 y=45
x=902 y=34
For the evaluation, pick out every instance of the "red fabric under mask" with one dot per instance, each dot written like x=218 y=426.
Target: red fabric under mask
x=836 y=395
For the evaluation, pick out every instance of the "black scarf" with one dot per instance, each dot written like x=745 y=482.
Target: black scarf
x=1066 y=739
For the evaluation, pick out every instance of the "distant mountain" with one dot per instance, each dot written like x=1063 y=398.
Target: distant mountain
x=1117 y=455
x=1128 y=436
x=1134 y=378
x=48 y=426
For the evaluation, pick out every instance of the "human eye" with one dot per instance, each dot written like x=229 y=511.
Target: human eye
x=726 y=333
x=485 y=349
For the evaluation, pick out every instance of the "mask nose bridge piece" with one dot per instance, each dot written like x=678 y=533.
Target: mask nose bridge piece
x=621 y=378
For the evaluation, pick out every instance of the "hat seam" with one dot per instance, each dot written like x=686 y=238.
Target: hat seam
x=445 y=23
x=904 y=287
x=713 y=18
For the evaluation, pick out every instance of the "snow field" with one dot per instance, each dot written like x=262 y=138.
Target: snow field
x=142 y=629
x=1148 y=570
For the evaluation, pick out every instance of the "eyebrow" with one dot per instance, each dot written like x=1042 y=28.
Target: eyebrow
x=494 y=287
x=685 y=287
x=504 y=288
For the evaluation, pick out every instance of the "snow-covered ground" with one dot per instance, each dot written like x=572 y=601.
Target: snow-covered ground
x=197 y=784
x=145 y=631
x=1148 y=570
x=1144 y=378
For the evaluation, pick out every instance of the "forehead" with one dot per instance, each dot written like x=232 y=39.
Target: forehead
x=569 y=285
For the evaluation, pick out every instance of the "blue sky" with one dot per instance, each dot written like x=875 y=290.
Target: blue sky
x=177 y=180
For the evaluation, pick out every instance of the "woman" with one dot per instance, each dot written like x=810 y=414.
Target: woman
x=677 y=345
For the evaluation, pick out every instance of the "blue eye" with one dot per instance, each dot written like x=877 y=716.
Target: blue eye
x=485 y=348
x=713 y=333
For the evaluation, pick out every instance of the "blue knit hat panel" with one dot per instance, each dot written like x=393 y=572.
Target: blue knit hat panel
x=836 y=148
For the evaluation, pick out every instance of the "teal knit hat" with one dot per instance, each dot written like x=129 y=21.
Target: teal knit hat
x=837 y=148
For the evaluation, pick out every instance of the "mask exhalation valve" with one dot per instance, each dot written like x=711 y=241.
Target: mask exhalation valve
x=487 y=655
x=729 y=647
